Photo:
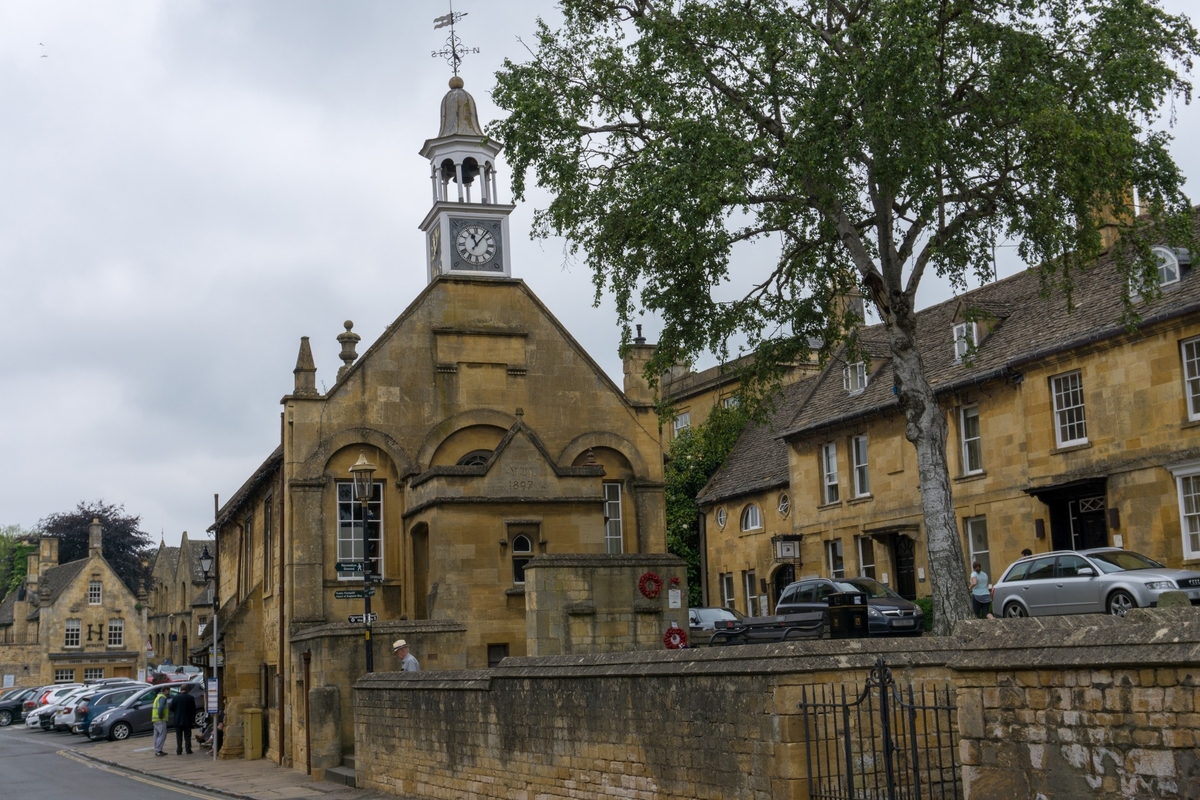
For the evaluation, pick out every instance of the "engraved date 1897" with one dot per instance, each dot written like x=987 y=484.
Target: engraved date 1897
x=523 y=486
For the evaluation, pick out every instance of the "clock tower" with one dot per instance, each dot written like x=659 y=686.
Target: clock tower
x=466 y=230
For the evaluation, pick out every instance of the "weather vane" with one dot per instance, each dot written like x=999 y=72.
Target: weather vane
x=454 y=49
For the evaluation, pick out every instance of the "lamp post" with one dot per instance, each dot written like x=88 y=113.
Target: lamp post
x=206 y=566
x=363 y=473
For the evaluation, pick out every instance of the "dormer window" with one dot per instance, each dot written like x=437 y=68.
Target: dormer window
x=965 y=339
x=1168 y=266
x=854 y=377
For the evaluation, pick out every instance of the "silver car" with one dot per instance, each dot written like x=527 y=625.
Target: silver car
x=1103 y=580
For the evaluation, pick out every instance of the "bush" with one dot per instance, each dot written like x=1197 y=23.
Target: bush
x=926 y=604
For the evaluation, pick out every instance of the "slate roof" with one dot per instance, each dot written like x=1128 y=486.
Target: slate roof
x=6 y=608
x=192 y=558
x=1028 y=327
x=759 y=460
x=55 y=581
x=252 y=483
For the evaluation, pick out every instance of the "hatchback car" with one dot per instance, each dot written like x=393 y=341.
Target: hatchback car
x=12 y=706
x=52 y=717
x=101 y=701
x=702 y=619
x=133 y=715
x=1102 y=580
x=888 y=614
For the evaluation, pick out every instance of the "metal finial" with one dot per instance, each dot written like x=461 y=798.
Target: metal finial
x=454 y=50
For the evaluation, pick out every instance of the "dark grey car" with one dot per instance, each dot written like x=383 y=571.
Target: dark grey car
x=133 y=715
x=888 y=614
x=1101 y=580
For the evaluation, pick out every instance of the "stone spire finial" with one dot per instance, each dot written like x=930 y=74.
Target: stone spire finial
x=305 y=371
x=349 y=341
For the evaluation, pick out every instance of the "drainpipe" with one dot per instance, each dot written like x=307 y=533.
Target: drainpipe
x=307 y=728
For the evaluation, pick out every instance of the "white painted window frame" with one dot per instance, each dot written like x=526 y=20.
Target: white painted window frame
x=1060 y=393
x=1189 y=354
x=977 y=439
x=859 y=461
x=829 y=474
x=1187 y=488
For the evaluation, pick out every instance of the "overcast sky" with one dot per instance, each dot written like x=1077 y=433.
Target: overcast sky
x=186 y=189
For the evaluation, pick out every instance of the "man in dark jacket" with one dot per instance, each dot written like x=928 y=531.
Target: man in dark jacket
x=183 y=717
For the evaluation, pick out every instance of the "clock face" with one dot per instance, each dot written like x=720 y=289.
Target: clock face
x=476 y=245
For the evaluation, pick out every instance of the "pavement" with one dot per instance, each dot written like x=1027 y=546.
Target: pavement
x=255 y=780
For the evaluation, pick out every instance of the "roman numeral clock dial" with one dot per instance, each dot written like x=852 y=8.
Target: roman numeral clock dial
x=476 y=245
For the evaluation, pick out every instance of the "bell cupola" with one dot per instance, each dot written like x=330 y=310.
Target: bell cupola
x=466 y=230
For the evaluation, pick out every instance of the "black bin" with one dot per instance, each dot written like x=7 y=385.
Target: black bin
x=848 y=615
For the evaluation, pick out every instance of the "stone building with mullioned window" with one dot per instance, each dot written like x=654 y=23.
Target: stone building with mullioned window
x=67 y=623
x=1067 y=430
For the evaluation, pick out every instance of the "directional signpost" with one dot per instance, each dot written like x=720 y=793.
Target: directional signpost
x=354 y=594
x=349 y=566
x=361 y=618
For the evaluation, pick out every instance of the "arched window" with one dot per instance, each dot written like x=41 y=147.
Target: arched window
x=522 y=552
x=751 y=518
x=475 y=458
x=1168 y=266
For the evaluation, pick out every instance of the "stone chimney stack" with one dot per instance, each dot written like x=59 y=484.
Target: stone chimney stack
x=637 y=355
x=47 y=554
x=33 y=570
x=349 y=341
x=305 y=371
x=95 y=538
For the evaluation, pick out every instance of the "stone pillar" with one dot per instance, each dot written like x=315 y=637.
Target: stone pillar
x=307 y=519
x=325 y=727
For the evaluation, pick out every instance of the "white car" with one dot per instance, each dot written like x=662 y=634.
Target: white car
x=64 y=712
x=33 y=719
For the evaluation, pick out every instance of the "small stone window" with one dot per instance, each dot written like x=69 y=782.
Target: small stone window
x=1168 y=266
x=93 y=673
x=785 y=505
x=95 y=593
x=522 y=554
x=854 y=377
x=116 y=633
x=64 y=676
x=722 y=518
x=752 y=518
x=71 y=637
x=475 y=458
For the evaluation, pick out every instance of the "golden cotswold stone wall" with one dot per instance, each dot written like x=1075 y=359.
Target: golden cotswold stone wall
x=1069 y=707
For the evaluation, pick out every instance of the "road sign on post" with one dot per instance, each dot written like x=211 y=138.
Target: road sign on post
x=359 y=618
x=354 y=594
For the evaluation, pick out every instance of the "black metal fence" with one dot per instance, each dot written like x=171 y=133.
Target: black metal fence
x=885 y=742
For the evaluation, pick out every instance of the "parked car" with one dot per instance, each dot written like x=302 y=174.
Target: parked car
x=45 y=694
x=46 y=702
x=51 y=717
x=101 y=701
x=133 y=715
x=888 y=614
x=702 y=619
x=12 y=706
x=1100 y=580
x=68 y=715
x=168 y=673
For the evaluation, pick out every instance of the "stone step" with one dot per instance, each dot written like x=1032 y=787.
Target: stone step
x=348 y=761
x=342 y=775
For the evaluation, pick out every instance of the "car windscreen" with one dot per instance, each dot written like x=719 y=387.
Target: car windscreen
x=715 y=614
x=1122 y=560
x=873 y=589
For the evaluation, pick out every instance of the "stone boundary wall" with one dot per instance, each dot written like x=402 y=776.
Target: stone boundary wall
x=700 y=723
x=1051 y=708
x=1081 y=707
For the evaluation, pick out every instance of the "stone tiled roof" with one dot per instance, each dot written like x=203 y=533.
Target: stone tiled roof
x=264 y=471
x=57 y=579
x=759 y=460
x=169 y=556
x=191 y=558
x=6 y=608
x=1028 y=326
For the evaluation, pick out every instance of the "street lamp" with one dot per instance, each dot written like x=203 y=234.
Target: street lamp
x=363 y=473
x=206 y=566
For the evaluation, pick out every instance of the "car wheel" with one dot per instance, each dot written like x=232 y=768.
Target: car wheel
x=1119 y=603
x=5 y=718
x=1015 y=610
x=201 y=718
x=120 y=731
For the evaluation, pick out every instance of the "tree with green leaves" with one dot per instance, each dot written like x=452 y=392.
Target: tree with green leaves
x=15 y=546
x=124 y=545
x=694 y=455
x=876 y=141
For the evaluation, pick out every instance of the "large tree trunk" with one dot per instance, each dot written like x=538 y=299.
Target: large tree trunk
x=925 y=427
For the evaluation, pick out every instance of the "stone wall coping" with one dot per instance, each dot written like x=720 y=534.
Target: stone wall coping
x=606 y=560
x=1146 y=637
x=797 y=658
x=413 y=627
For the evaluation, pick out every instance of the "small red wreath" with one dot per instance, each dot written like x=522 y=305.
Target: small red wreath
x=675 y=580
x=675 y=637
x=650 y=585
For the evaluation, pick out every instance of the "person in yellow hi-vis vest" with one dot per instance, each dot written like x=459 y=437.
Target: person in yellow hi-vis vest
x=158 y=715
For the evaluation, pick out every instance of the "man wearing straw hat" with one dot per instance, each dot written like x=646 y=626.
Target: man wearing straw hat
x=408 y=662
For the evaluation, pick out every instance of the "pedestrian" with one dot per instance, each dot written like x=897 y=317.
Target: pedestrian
x=408 y=662
x=981 y=593
x=158 y=716
x=1026 y=552
x=183 y=717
